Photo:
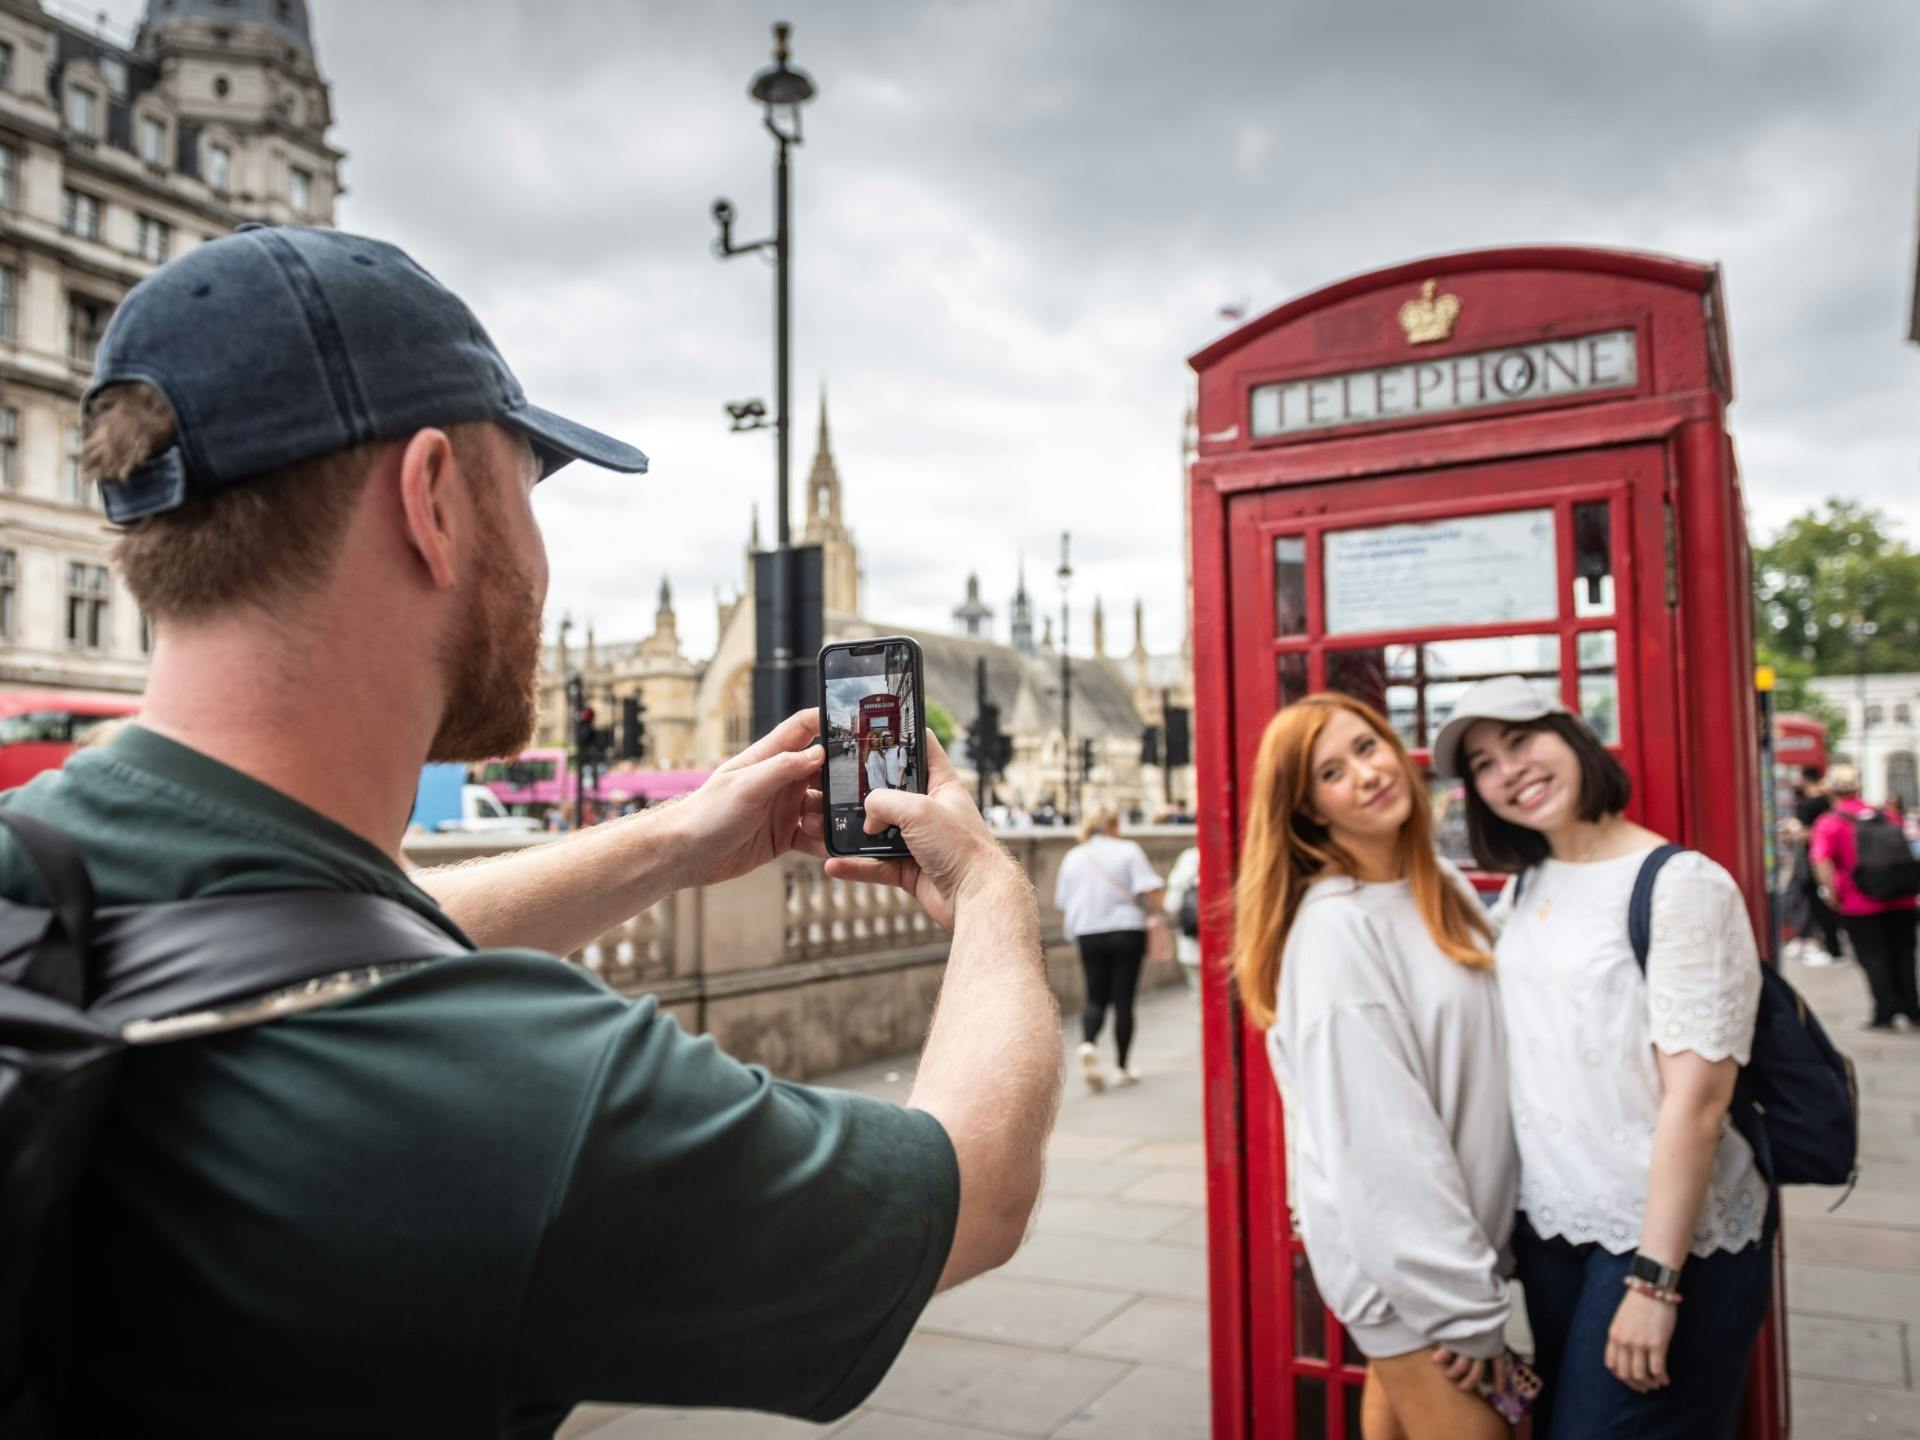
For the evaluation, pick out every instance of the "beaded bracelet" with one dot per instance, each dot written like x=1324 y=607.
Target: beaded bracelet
x=1651 y=1291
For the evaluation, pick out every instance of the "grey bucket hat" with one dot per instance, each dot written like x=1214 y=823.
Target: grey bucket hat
x=1505 y=697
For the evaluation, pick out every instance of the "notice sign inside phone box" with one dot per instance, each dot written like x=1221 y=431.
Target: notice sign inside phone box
x=1549 y=369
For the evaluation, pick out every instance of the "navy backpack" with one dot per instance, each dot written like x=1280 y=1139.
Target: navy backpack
x=1796 y=1102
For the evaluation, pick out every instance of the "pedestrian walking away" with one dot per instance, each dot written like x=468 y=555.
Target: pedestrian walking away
x=1370 y=960
x=1866 y=873
x=456 y=1197
x=1634 y=1189
x=1108 y=891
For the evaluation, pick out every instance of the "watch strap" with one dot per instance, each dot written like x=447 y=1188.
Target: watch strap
x=1645 y=1267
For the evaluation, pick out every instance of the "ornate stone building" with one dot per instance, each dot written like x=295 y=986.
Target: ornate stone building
x=1114 y=699
x=117 y=153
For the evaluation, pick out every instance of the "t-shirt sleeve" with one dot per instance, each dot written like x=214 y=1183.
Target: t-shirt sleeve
x=725 y=1239
x=1703 y=968
x=1831 y=839
x=1146 y=879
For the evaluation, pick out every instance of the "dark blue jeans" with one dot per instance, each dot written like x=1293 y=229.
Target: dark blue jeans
x=1572 y=1292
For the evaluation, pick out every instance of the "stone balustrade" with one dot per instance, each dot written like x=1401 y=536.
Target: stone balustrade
x=800 y=972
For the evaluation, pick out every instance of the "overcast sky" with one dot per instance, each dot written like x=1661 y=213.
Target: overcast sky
x=1016 y=218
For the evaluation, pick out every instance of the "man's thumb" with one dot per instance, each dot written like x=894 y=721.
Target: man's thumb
x=892 y=807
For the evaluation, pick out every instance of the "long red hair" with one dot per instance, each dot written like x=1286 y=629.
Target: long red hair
x=1284 y=851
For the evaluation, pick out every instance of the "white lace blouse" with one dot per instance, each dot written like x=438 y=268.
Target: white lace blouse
x=1581 y=1027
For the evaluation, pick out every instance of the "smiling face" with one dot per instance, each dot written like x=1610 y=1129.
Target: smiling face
x=1526 y=776
x=1358 y=788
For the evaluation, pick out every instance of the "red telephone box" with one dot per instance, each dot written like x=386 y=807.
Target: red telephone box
x=1496 y=462
x=879 y=715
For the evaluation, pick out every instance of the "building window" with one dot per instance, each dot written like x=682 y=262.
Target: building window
x=9 y=176
x=1903 y=715
x=156 y=239
x=221 y=85
x=219 y=167
x=75 y=494
x=153 y=140
x=86 y=323
x=300 y=190
x=1875 y=715
x=6 y=64
x=88 y=591
x=9 y=570
x=9 y=449
x=9 y=301
x=82 y=108
x=81 y=215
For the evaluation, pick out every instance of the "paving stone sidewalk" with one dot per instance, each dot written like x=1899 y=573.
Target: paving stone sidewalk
x=1098 y=1328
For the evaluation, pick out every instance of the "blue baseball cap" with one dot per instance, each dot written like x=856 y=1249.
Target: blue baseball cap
x=278 y=344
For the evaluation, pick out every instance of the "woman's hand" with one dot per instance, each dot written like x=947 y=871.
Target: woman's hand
x=1467 y=1373
x=1637 y=1341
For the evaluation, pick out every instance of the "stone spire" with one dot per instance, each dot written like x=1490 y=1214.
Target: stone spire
x=973 y=617
x=1023 y=614
x=826 y=527
x=1046 y=634
x=666 y=596
x=666 y=625
x=1099 y=629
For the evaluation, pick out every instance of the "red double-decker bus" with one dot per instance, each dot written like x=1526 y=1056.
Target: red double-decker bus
x=39 y=728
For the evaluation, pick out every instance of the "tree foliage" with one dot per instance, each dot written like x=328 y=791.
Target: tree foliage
x=1824 y=571
x=940 y=723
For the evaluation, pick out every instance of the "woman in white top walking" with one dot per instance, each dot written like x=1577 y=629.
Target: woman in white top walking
x=1105 y=888
x=1370 y=961
x=1634 y=1189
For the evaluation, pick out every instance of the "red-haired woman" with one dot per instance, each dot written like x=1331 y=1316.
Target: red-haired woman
x=1368 y=959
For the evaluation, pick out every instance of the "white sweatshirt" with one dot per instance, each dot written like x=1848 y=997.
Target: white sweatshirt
x=1391 y=1060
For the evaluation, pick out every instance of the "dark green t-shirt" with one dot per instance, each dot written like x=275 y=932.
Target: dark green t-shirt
x=460 y=1201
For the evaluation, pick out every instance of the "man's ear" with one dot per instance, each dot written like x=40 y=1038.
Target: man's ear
x=427 y=491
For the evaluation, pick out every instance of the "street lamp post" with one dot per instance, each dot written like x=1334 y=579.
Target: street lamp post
x=781 y=90
x=1065 y=576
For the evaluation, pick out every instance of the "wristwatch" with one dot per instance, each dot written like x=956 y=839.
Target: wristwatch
x=1661 y=1277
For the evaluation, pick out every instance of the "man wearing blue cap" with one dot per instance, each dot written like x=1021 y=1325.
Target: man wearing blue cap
x=460 y=1197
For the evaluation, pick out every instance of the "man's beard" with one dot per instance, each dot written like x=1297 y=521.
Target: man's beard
x=493 y=662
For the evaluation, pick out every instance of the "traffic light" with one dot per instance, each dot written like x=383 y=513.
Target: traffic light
x=1179 y=736
x=633 y=728
x=983 y=740
x=584 y=736
x=1086 y=758
x=1150 y=745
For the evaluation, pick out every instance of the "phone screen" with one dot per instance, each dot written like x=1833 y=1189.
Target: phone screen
x=873 y=734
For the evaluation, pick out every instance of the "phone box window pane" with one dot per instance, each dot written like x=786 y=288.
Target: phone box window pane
x=1447 y=802
x=1309 y=1313
x=1593 y=559
x=1430 y=679
x=1597 y=650
x=1474 y=570
x=1293 y=679
x=1290 y=585
x=1403 y=713
x=1359 y=673
x=1600 y=705
x=1309 y=1408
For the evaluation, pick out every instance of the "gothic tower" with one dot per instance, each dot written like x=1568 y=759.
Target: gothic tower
x=840 y=561
x=973 y=617
x=1023 y=615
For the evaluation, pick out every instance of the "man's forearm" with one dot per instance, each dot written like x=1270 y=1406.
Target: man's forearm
x=563 y=894
x=991 y=1067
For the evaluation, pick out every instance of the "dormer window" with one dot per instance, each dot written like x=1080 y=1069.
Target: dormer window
x=83 y=109
x=153 y=141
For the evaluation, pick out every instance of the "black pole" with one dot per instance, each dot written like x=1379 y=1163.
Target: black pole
x=981 y=760
x=1066 y=676
x=1166 y=733
x=783 y=543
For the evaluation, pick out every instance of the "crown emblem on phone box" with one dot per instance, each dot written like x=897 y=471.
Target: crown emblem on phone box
x=1430 y=317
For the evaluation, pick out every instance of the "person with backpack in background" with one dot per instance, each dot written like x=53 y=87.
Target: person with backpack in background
x=1110 y=896
x=1869 y=876
x=1625 y=1053
x=458 y=1188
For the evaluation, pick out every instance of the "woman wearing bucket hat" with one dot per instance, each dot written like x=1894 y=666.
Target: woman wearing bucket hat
x=1368 y=959
x=1633 y=1189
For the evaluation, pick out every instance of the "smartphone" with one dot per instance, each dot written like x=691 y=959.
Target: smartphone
x=874 y=727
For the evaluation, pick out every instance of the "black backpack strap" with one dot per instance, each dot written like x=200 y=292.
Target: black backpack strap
x=1640 y=907
x=54 y=966
x=194 y=956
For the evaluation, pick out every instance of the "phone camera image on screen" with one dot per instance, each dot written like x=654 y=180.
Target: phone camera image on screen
x=872 y=731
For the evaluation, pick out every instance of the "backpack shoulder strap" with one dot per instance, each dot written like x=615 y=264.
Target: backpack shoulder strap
x=53 y=966
x=192 y=956
x=1640 y=907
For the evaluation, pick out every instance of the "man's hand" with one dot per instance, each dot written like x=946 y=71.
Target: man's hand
x=953 y=850
x=749 y=810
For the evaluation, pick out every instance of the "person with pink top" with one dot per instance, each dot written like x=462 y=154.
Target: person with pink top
x=1878 y=918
